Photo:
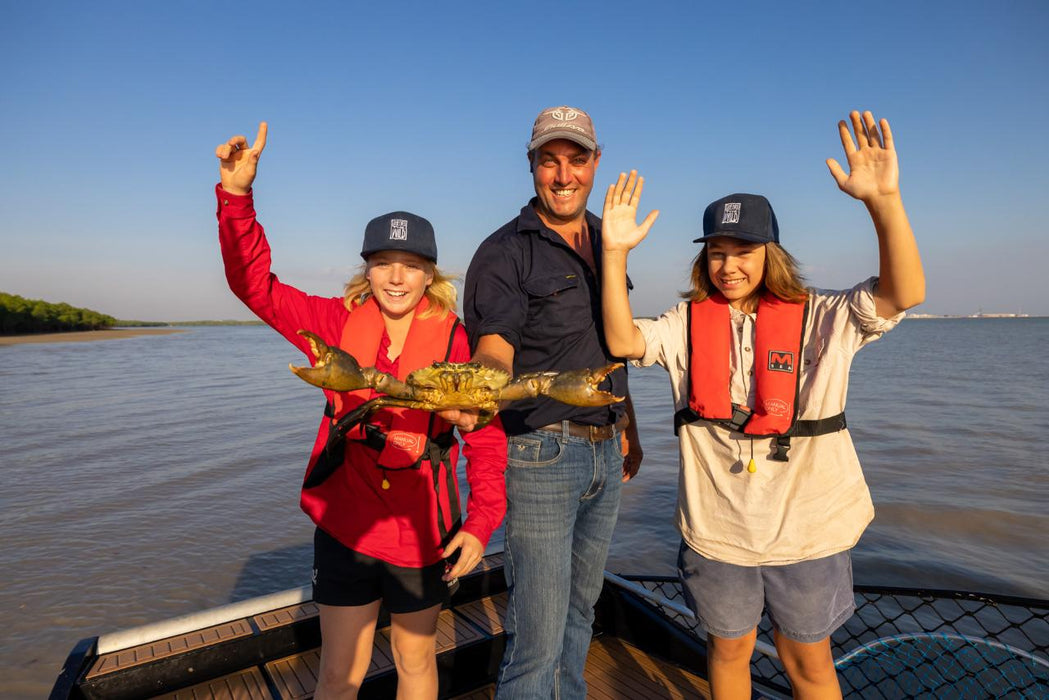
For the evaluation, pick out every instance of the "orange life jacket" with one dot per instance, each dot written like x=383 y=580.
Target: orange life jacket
x=779 y=334
x=429 y=340
x=413 y=436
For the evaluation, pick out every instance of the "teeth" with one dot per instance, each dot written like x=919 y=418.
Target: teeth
x=396 y=294
x=564 y=193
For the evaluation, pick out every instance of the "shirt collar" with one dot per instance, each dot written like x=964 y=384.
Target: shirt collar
x=529 y=221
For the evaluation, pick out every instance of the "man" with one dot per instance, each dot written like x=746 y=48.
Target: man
x=531 y=303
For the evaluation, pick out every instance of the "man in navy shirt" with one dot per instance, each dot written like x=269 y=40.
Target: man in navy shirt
x=532 y=302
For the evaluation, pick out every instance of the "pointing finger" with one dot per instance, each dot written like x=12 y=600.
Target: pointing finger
x=260 y=140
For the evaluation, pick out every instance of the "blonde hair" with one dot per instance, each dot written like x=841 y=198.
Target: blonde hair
x=781 y=276
x=441 y=293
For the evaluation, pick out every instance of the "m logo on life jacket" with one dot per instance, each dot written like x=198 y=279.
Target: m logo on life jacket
x=781 y=361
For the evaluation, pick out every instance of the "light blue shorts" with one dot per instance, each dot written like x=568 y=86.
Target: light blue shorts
x=806 y=601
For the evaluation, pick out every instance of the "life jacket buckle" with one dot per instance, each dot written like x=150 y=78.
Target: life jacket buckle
x=782 y=444
x=740 y=415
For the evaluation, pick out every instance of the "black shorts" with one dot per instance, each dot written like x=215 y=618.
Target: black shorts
x=342 y=576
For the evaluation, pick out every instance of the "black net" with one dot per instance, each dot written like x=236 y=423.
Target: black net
x=910 y=643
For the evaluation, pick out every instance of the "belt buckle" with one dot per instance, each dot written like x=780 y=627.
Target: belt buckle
x=592 y=429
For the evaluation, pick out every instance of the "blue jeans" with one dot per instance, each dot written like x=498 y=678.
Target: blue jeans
x=562 y=497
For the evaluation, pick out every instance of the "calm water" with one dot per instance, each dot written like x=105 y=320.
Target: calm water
x=151 y=477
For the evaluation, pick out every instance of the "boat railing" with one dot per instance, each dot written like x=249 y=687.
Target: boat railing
x=144 y=634
x=906 y=642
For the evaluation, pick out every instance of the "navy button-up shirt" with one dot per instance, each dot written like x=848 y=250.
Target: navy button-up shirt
x=527 y=285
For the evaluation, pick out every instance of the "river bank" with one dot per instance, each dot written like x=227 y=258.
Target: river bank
x=84 y=336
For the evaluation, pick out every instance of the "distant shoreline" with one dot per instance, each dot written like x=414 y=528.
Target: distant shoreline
x=84 y=336
x=973 y=316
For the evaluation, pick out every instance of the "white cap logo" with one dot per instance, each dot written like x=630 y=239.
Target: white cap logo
x=398 y=229
x=563 y=116
x=731 y=214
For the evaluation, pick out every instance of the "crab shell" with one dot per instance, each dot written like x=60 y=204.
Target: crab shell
x=453 y=385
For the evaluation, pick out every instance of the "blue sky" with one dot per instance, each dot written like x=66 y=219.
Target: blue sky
x=110 y=113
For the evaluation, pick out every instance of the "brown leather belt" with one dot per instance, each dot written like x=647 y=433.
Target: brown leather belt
x=593 y=433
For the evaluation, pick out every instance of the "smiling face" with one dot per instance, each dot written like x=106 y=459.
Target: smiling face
x=563 y=175
x=737 y=269
x=398 y=280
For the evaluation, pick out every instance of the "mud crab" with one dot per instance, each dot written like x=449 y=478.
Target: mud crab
x=447 y=385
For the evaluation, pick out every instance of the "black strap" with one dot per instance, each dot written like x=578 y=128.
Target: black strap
x=801 y=428
x=439 y=451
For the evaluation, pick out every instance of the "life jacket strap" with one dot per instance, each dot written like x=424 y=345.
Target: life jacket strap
x=438 y=453
x=741 y=414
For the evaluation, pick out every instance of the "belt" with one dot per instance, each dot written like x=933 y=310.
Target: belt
x=593 y=433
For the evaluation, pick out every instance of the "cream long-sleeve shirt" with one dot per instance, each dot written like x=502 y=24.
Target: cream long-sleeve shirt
x=816 y=504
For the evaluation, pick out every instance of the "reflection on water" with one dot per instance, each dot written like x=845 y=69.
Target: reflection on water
x=154 y=476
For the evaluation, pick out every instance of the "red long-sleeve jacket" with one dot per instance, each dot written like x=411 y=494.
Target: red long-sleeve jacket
x=399 y=524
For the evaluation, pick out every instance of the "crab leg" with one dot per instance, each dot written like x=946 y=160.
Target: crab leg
x=575 y=387
x=337 y=370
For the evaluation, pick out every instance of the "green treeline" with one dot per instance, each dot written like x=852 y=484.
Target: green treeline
x=20 y=315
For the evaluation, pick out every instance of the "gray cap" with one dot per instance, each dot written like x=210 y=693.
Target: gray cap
x=563 y=122
x=400 y=230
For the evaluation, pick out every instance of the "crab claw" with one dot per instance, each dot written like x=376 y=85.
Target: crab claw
x=334 y=369
x=579 y=387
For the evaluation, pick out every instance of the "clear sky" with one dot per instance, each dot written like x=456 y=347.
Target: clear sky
x=110 y=113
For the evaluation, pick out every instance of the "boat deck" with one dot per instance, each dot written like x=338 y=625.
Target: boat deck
x=614 y=669
x=617 y=670
x=470 y=642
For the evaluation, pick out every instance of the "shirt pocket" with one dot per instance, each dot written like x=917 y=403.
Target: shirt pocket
x=557 y=303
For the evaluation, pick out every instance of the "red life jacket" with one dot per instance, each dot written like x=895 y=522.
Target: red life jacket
x=778 y=338
x=412 y=436
x=777 y=352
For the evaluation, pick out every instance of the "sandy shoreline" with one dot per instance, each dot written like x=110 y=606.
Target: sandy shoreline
x=82 y=336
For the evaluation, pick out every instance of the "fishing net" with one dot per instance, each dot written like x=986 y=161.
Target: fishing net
x=943 y=666
x=911 y=643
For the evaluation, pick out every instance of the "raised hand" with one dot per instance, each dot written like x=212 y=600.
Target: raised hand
x=239 y=163
x=619 y=228
x=873 y=169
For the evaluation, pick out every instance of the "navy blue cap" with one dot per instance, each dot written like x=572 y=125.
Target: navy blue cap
x=400 y=230
x=748 y=217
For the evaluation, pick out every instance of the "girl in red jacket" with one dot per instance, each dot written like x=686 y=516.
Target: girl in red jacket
x=383 y=495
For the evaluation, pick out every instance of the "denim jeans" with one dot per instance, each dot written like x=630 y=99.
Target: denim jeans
x=562 y=501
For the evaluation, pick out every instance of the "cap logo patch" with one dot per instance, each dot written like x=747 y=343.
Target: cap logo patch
x=731 y=213
x=398 y=229
x=564 y=116
x=781 y=361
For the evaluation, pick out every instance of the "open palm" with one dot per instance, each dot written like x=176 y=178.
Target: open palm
x=873 y=168
x=619 y=227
